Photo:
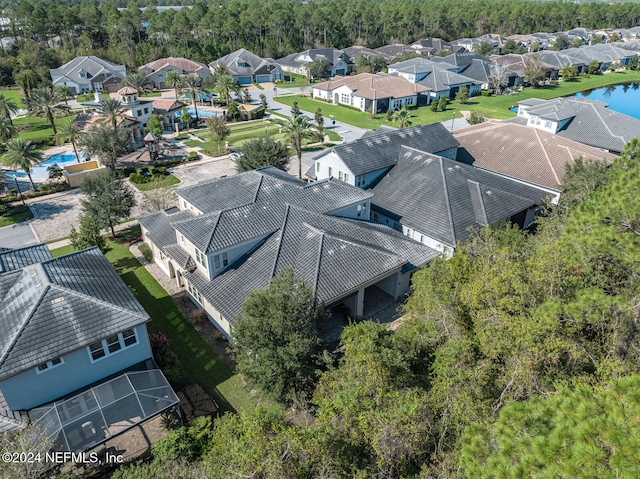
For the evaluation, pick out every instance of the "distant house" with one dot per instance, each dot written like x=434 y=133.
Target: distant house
x=479 y=68
x=433 y=46
x=528 y=154
x=88 y=73
x=299 y=62
x=517 y=63
x=560 y=59
x=156 y=71
x=366 y=90
x=230 y=236
x=75 y=356
x=586 y=121
x=437 y=201
x=357 y=51
x=247 y=68
x=363 y=162
x=440 y=77
x=396 y=50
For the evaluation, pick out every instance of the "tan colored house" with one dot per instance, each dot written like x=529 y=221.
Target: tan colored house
x=384 y=92
x=156 y=71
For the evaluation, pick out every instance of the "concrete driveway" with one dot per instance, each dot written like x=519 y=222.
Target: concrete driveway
x=17 y=236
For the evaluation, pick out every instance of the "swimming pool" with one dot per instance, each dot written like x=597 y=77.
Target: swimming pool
x=39 y=173
x=202 y=113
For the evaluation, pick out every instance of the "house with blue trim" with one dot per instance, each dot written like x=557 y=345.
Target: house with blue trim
x=75 y=355
x=247 y=68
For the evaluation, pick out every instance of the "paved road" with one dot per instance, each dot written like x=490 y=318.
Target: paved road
x=17 y=236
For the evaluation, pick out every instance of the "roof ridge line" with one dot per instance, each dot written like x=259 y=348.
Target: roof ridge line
x=476 y=184
x=546 y=155
x=447 y=200
x=213 y=231
x=282 y=226
x=317 y=275
x=348 y=239
x=3 y=358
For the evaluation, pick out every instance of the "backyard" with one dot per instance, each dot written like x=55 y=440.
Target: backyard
x=197 y=358
x=492 y=107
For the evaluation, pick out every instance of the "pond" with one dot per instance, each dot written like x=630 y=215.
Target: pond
x=623 y=98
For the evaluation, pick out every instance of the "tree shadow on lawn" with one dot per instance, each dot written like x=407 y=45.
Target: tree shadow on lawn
x=197 y=359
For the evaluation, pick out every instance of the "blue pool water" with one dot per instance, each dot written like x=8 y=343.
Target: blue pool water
x=39 y=173
x=201 y=113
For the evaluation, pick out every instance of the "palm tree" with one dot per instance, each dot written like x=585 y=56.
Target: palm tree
x=21 y=154
x=70 y=132
x=296 y=129
x=7 y=130
x=225 y=84
x=63 y=91
x=192 y=85
x=139 y=81
x=402 y=116
x=8 y=107
x=110 y=109
x=45 y=102
x=173 y=80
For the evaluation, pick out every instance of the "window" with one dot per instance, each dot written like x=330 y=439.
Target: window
x=221 y=260
x=345 y=98
x=330 y=171
x=146 y=111
x=195 y=293
x=139 y=112
x=360 y=180
x=112 y=344
x=340 y=175
x=49 y=365
x=375 y=217
x=346 y=177
x=242 y=64
x=409 y=232
x=317 y=166
x=421 y=238
x=201 y=258
x=547 y=124
x=182 y=240
x=160 y=75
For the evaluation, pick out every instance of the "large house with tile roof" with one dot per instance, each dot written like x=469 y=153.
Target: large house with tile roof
x=247 y=68
x=299 y=63
x=230 y=236
x=75 y=356
x=364 y=161
x=156 y=71
x=580 y=119
x=366 y=90
x=88 y=73
x=528 y=154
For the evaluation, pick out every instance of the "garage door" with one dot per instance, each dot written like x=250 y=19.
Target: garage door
x=263 y=78
x=246 y=80
x=341 y=71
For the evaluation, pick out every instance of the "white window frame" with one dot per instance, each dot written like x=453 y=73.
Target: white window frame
x=330 y=172
x=103 y=345
x=317 y=166
x=49 y=365
x=195 y=293
x=201 y=258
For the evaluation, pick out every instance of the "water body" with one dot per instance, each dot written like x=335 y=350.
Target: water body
x=623 y=98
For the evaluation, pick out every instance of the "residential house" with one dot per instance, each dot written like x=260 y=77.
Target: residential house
x=230 y=236
x=363 y=162
x=356 y=51
x=528 y=154
x=438 y=201
x=432 y=46
x=560 y=59
x=531 y=42
x=88 y=73
x=479 y=68
x=246 y=67
x=366 y=90
x=299 y=62
x=75 y=356
x=517 y=63
x=469 y=44
x=606 y=55
x=579 y=119
x=439 y=77
x=156 y=71
x=136 y=112
x=396 y=50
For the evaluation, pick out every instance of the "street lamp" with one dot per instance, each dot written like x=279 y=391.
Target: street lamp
x=453 y=117
x=266 y=130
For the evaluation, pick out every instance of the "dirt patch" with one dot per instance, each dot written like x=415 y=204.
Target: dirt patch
x=195 y=402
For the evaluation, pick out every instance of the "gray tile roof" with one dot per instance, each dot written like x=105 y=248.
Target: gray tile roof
x=18 y=258
x=460 y=59
x=250 y=205
x=257 y=65
x=442 y=198
x=374 y=152
x=53 y=308
x=333 y=55
x=593 y=123
x=97 y=69
x=530 y=154
x=159 y=226
x=334 y=255
x=441 y=80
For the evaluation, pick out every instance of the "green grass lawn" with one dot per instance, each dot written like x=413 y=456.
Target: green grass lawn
x=16 y=214
x=291 y=80
x=197 y=359
x=39 y=128
x=13 y=94
x=151 y=95
x=492 y=107
x=170 y=180
x=240 y=132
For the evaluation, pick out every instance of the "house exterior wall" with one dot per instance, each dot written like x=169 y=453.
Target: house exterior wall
x=333 y=162
x=358 y=211
x=324 y=94
x=30 y=389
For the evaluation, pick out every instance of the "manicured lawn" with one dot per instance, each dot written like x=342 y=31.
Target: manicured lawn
x=197 y=359
x=333 y=136
x=14 y=95
x=168 y=181
x=39 y=128
x=493 y=107
x=16 y=214
x=291 y=80
x=151 y=95
x=240 y=132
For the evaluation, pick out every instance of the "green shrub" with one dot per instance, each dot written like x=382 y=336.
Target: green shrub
x=475 y=118
x=193 y=154
x=136 y=178
x=485 y=92
x=145 y=249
